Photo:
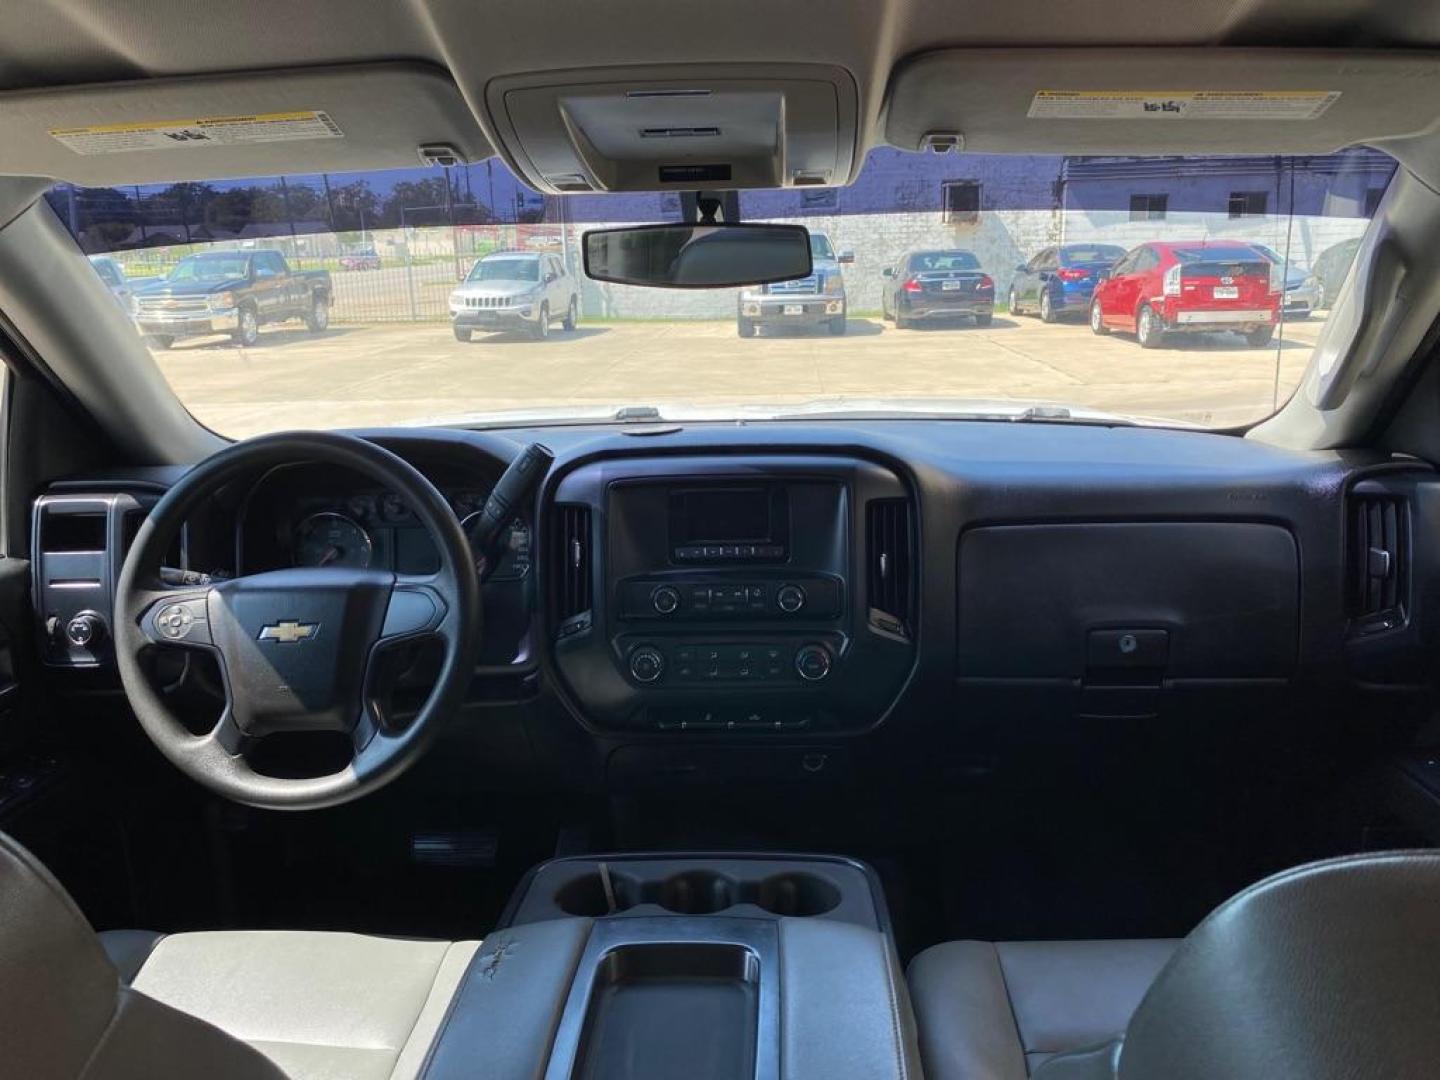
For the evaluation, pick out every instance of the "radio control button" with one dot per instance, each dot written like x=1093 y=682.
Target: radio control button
x=646 y=664
x=790 y=598
x=665 y=599
x=812 y=662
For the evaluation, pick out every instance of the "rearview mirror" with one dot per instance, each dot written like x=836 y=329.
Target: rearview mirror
x=698 y=256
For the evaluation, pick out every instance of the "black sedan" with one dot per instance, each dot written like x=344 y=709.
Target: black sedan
x=935 y=285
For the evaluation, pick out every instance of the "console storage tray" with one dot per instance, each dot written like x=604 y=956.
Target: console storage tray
x=684 y=1010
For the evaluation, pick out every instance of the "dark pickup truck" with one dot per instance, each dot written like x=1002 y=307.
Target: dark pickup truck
x=231 y=292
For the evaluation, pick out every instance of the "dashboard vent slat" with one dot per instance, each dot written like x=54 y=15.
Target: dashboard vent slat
x=571 y=561
x=890 y=545
x=1377 y=558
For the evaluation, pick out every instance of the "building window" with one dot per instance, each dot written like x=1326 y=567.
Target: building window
x=819 y=199
x=1148 y=207
x=1247 y=204
x=962 y=202
x=1372 y=200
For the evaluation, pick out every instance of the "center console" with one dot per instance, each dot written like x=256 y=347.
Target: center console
x=751 y=594
x=698 y=967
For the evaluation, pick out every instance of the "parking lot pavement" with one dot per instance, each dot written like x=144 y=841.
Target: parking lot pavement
x=397 y=373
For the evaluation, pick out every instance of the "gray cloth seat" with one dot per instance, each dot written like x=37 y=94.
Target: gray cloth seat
x=226 y=1005
x=997 y=1011
x=1324 y=972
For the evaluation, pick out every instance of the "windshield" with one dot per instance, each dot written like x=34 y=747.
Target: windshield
x=944 y=260
x=506 y=270
x=208 y=268
x=1101 y=254
x=957 y=285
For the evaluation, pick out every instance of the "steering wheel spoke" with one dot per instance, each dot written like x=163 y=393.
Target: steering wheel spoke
x=417 y=609
x=176 y=617
x=226 y=734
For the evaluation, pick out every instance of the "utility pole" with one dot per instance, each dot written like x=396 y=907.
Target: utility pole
x=140 y=213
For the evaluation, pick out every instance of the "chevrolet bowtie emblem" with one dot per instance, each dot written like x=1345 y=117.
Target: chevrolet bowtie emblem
x=289 y=631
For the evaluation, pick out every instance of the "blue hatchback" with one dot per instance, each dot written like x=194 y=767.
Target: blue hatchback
x=1060 y=279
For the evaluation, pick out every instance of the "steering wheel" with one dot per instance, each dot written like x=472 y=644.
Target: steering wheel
x=297 y=648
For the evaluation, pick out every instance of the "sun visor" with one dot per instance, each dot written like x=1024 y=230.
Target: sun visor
x=698 y=127
x=1161 y=101
x=335 y=119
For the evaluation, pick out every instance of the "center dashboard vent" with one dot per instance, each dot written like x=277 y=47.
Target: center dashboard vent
x=1377 y=559
x=890 y=558
x=570 y=564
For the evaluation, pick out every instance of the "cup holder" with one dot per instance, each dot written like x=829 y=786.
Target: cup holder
x=697 y=892
x=798 y=895
x=585 y=896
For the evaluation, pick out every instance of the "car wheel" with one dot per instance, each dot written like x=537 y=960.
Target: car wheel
x=1258 y=339
x=1148 y=330
x=745 y=328
x=159 y=341
x=319 y=317
x=1014 y=302
x=986 y=319
x=541 y=329
x=837 y=325
x=1047 y=307
x=901 y=323
x=248 y=332
x=1097 y=319
x=572 y=315
x=462 y=333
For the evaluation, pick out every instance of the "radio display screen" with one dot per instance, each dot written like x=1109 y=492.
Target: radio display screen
x=730 y=515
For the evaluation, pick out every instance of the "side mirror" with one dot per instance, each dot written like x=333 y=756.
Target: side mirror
x=1105 y=273
x=549 y=277
x=846 y=257
x=1021 y=268
x=889 y=271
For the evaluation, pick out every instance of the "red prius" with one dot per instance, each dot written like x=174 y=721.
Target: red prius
x=1198 y=287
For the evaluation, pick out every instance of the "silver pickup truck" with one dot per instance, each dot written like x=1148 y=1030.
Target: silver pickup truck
x=809 y=301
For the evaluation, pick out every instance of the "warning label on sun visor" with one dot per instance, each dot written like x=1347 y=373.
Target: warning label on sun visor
x=203 y=131
x=1181 y=104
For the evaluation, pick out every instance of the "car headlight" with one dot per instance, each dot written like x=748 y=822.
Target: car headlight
x=834 y=285
x=222 y=301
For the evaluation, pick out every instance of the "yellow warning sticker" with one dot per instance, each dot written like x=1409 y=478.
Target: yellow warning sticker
x=1181 y=104
x=202 y=131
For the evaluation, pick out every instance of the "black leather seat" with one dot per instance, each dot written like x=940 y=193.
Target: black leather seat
x=1326 y=972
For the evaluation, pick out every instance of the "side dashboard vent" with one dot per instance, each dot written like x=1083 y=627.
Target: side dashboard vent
x=571 y=562
x=1377 y=559
x=890 y=551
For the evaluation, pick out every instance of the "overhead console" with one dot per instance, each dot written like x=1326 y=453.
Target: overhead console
x=696 y=127
x=733 y=594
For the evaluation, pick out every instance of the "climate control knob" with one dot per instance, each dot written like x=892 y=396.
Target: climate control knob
x=812 y=662
x=665 y=599
x=646 y=664
x=790 y=598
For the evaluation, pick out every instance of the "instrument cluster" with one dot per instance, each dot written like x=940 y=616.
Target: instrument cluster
x=377 y=529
